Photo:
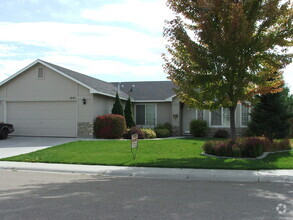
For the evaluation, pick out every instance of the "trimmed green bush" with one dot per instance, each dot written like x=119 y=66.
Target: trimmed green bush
x=165 y=126
x=162 y=132
x=149 y=133
x=134 y=130
x=221 y=133
x=198 y=128
x=110 y=126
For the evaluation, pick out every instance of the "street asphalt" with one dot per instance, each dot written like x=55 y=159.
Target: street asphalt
x=37 y=195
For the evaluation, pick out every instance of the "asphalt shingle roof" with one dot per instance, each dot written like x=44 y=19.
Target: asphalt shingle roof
x=148 y=90
x=98 y=85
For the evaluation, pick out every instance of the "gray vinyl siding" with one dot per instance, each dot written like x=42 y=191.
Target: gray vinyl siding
x=84 y=111
x=164 y=113
x=102 y=105
x=1 y=111
x=27 y=87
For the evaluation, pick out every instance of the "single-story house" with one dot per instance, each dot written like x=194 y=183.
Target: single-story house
x=44 y=99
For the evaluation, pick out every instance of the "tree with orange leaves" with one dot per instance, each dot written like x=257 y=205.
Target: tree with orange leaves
x=222 y=52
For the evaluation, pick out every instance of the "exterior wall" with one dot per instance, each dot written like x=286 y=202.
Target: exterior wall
x=164 y=113
x=27 y=87
x=239 y=131
x=102 y=105
x=176 y=116
x=189 y=114
x=53 y=87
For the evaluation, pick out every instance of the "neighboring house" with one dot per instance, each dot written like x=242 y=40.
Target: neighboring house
x=44 y=99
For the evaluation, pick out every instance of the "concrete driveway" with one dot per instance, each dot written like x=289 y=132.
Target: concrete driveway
x=15 y=145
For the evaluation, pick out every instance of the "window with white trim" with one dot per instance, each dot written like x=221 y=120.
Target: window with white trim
x=145 y=114
x=244 y=115
x=220 y=117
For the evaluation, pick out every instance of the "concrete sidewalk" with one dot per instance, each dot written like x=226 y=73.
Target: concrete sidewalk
x=284 y=176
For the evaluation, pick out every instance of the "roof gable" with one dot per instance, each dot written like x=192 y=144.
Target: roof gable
x=93 y=84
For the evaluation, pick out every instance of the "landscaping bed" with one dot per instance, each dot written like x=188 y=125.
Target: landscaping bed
x=173 y=153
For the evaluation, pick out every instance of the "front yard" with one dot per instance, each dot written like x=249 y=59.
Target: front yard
x=179 y=153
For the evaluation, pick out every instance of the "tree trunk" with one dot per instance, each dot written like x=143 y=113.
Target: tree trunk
x=232 y=123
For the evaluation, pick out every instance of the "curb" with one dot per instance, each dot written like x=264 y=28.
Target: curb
x=277 y=176
x=264 y=155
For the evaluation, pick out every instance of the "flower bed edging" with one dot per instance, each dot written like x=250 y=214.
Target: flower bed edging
x=265 y=154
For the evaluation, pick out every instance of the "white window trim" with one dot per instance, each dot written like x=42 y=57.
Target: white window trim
x=145 y=104
x=249 y=109
x=222 y=120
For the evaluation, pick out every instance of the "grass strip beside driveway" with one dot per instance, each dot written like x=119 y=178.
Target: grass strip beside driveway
x=173 y=153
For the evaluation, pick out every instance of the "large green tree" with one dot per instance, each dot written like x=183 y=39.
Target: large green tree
x=222 y=52
x=117 y=107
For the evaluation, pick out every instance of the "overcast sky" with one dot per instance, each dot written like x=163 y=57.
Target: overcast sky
x=113 y=40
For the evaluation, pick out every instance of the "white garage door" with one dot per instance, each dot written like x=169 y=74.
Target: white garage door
x=43 y=118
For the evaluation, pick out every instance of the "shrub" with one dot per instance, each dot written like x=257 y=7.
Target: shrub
x=236 y=151
x=252 y=147
x=149 y=133
x=280 y=145
x=110 y=126
x=221 y=134
x=134 y=130
x=162 y=132
x=245 y=147
x=209 y=147
x=117 y=107
x=165 y=126
x=128 y=114
x=198 y=128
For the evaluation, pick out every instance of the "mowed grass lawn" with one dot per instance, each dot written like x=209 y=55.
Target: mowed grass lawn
x=179 y=153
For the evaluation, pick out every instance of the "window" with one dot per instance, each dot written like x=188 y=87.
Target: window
x=199 y=114
x=220 y=117
x=40 y=73
x=244 y=115
x=146 y=114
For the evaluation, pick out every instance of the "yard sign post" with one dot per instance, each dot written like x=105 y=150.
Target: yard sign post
x=134 y=145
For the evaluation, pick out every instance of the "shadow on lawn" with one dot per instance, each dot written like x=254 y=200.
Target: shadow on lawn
x=206 y=162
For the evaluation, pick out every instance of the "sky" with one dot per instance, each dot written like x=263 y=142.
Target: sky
x=112 y=40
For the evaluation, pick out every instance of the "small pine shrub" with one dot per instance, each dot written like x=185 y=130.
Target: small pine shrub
x=148 y=133
x=221 y=133
x=110 y=126
x=162 y=132
x=198 y=128
x=134 y=130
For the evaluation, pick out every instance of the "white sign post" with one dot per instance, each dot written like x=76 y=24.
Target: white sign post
x=134 y=145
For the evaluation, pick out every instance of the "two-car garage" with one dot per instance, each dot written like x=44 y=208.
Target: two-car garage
x=47 y=118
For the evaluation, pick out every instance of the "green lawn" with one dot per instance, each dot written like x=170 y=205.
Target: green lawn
x=181 y=153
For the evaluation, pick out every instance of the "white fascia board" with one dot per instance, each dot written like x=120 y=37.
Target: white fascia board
x=170 y=98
